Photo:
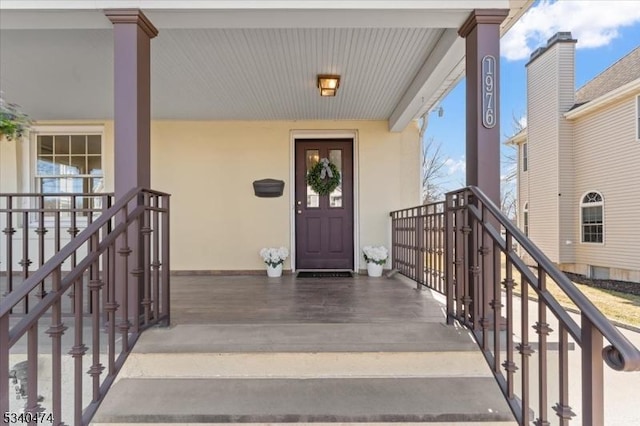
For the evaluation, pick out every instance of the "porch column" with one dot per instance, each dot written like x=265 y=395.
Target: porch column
x=132 y=34
x=481 y=32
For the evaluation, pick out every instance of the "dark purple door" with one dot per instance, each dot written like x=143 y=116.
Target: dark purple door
x=324 y=223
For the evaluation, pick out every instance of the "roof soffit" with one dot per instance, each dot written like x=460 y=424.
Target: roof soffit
x=411 y=94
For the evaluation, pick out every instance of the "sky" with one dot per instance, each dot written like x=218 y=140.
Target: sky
x=606 y=31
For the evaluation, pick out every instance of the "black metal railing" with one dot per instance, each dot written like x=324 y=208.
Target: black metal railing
x=418 y=244
x=544 y=358
x=67 y=328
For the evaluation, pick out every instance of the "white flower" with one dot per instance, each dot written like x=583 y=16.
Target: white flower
x=377 y=255
x=274 y=256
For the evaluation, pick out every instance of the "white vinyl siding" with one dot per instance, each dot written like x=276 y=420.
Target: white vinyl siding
x=547 y=99
x=638 y=117
x=567 y=219
x=607 y=156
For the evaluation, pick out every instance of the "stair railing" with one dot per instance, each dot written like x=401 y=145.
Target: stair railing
x=90 y=302
x=481 y=242
x=544 y=358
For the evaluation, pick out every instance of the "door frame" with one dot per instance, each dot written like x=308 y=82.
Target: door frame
x=324 y=134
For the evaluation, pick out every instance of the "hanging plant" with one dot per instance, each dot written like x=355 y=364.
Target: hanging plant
x=323 y=177
x=13 y=122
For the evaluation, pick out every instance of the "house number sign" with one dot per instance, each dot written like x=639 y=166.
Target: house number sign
x=489 y=91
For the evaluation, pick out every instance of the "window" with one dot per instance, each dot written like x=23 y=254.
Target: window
x=591 y=218
x=525 y=157
x=525 y=219
x=69 y=163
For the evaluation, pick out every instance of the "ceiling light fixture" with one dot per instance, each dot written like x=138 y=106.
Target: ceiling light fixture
x=328 y=84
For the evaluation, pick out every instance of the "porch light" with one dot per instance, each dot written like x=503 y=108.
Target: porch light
x=328 y=84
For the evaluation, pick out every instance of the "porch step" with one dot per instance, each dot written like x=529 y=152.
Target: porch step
x=355 y=373
x=306 y=351
x=350 y=400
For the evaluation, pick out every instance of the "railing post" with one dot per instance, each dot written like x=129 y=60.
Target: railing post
x=449 y=257
x=421 y=250
x=592 y=375
x=56 y=331
x=4 y=364
x=166 y=269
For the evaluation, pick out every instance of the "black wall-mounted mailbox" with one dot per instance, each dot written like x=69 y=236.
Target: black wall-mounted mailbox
x=268 y=188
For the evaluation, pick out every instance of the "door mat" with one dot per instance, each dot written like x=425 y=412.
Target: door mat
x=324 y=274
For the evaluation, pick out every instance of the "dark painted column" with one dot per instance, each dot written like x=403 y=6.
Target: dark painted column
x=482 y=35
x=132 y=34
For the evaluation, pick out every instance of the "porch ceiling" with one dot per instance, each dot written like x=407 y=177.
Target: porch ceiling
x=243 y=64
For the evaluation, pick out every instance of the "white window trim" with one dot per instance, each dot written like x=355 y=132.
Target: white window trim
x=580 y=206
x=30 y=158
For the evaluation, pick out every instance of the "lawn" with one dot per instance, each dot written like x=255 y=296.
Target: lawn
x=623 y=308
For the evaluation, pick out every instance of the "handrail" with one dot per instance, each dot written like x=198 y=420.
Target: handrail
x=23 y=325
x=484 y=253
x=106 y=285
x=34 y=280
x=621 y=354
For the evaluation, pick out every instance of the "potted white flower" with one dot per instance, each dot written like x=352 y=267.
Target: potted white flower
x=376 y=258
x=274 y=258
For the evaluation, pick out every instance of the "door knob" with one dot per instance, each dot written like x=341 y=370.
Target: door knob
x=299 y=211
x=299 y=203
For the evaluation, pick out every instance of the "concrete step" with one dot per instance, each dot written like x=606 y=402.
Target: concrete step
x=355 y=373
x=305 y=351
x=337 y=400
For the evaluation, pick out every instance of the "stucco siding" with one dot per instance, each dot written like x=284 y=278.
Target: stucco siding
x=542 y=132
x=607 y=156
x=209 y=166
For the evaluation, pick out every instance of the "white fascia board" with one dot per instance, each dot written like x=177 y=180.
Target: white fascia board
x=632 y=88
x=240 y=18
x=254 y=4
x=518 y=138
x=445 y=57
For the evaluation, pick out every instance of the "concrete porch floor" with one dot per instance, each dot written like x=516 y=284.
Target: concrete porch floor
x=287 y=299
x=258 y=350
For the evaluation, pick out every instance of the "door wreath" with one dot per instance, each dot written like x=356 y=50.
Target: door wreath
x=323 y=177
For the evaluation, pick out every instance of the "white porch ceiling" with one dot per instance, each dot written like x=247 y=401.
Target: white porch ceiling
x=240 y=64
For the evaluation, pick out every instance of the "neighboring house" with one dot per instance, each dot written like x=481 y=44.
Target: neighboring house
x=578 y=163
x=233 y=100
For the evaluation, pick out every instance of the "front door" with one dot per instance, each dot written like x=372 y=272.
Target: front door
x=324 y=223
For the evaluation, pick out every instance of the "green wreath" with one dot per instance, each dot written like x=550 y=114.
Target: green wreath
x=323 y=183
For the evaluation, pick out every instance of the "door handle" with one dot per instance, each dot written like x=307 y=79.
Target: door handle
x=299 y=211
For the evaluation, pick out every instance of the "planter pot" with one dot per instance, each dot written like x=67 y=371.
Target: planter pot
x=374 y=270
x=274 y=271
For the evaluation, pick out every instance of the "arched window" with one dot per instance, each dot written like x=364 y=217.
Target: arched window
x=592 y=218
x=525 y=219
